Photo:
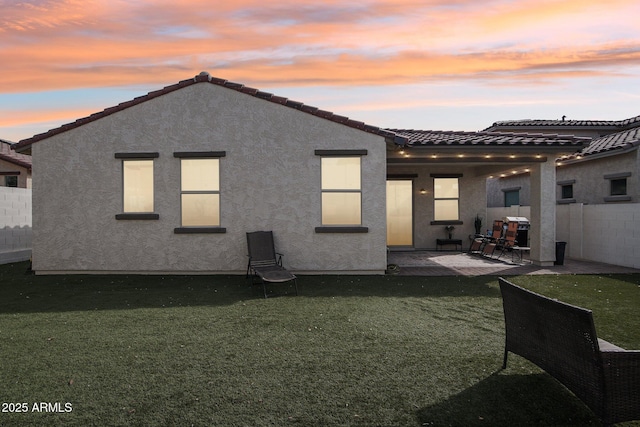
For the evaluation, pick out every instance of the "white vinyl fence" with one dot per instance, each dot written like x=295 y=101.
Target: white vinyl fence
x=603 y=233
x=15 y=224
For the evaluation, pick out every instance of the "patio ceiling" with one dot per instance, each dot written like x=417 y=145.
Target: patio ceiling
x=488 y=153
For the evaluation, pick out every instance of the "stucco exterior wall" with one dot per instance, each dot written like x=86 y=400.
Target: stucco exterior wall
x=472 y=201
x=496 y=188
x=590 y=186
x=270 y=180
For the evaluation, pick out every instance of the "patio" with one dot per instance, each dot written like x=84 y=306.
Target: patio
x=451 y=263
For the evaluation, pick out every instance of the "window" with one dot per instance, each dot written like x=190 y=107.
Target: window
x=618 y=187
x=200 y=195
x=446 y=199
x=138 y=186
x=341 y=191
x=511 y=198
x=566 y=191
x=200 y=192
x=11 y=181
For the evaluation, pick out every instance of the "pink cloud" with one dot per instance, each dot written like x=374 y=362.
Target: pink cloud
x=78 y=43
x=17 y=117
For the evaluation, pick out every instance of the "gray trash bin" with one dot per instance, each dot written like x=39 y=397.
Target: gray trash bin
x=560 y=248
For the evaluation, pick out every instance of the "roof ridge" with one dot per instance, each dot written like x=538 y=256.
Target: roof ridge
x=624 y=123
x=205 y=77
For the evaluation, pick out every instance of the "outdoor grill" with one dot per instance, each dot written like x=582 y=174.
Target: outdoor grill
x=522 y=238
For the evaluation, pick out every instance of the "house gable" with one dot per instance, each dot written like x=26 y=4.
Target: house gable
x=204 y=77
x=269 y=177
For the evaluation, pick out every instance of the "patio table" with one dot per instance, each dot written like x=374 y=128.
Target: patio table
x=442 y=242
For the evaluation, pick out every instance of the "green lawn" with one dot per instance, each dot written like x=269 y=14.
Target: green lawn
x=350 y=350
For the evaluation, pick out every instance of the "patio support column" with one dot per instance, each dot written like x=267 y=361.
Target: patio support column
x=543 y=213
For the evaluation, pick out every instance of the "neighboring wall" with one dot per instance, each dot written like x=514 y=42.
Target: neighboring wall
x=496 y=188
x=589 y=186
x=15 y=224
x=24 y=175
x=602 y=233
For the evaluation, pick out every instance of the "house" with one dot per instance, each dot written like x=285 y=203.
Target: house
x=15 y=204
x=171 y=181
x=15 y=168
x=604 y=171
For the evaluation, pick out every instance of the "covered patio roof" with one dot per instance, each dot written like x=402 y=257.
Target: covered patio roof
x=489 y=152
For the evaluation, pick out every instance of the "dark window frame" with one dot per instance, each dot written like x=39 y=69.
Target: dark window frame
x=618 y=187
x=566 y=191
x=619 y=194
x=12 y=181
x=340 y=229
x=511 y=190
x=457 y=221
x=137 y=216
x=200 y=155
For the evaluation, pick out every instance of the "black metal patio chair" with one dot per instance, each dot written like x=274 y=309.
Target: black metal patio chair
x=265 y=262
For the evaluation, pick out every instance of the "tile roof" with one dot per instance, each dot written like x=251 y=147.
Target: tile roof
x=624 y=140
x=6 y=153
x=614 y=124
x=423 y=138
x=204 y=77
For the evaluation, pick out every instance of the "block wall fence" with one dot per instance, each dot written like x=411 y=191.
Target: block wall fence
x=608 y=233
x=15 y=224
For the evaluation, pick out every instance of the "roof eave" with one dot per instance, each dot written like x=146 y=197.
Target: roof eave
x=500 y=147
x=16 y=162
x=602 y=154
x=24 y=145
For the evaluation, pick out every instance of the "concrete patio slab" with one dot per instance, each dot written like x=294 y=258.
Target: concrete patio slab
x=435 y=263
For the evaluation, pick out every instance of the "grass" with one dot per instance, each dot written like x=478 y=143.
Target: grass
x=350 y=350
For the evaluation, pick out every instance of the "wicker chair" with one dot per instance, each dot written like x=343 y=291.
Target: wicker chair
x=265 y=262
x=561 y=339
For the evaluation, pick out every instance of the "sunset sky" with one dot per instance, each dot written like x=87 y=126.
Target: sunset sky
x=430 y=64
